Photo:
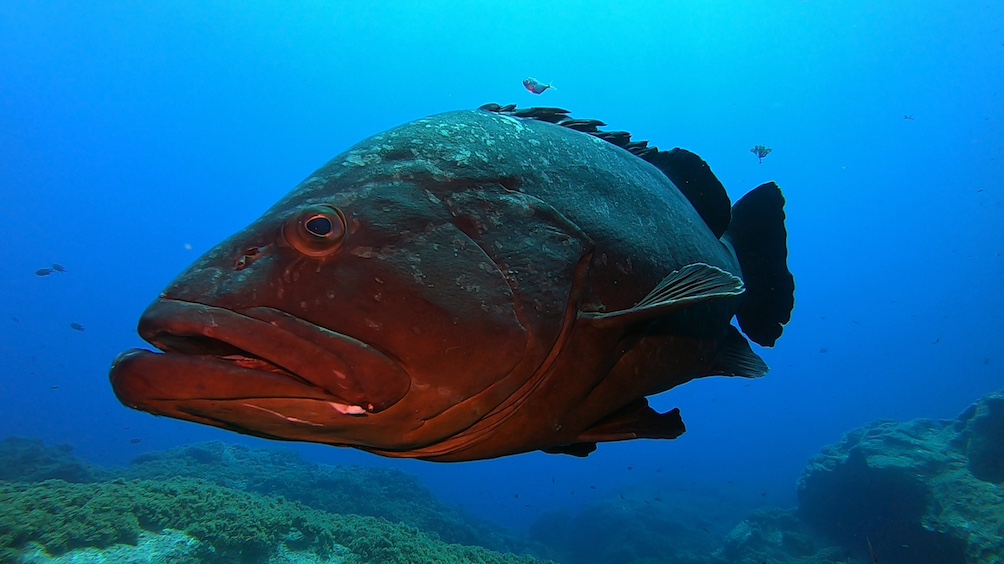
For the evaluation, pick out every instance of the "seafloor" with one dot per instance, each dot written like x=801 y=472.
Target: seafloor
x=917 y=492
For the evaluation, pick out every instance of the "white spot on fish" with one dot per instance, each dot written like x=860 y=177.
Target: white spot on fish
x=361 y=159
x=363 y=252
x=347 y=409
x=465 y=283
x=519 y=126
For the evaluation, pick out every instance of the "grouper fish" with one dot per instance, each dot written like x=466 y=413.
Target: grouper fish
x=471 y=285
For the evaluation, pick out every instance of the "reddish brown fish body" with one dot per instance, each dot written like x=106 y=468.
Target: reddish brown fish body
x=466 y=286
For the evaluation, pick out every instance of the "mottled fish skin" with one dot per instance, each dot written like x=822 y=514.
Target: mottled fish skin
x=450 y=290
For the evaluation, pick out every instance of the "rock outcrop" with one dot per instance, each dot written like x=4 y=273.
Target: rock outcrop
x=916 y=492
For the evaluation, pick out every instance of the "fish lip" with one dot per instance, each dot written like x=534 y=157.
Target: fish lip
x=137 y=378
x=224 y=347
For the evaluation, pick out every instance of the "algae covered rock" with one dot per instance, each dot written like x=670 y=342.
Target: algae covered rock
x=62 y=519
x=983 y=434
x=910 y=489
x=377 y=492
x=776 y=535
x=230 y=525
x=31 y=460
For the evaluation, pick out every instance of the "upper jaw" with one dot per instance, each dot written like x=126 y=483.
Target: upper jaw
x=265 y=350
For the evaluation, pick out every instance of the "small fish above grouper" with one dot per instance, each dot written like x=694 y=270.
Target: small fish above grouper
x=471 y=285
x=534 y=86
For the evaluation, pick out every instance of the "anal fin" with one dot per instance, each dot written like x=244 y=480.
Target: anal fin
x=636 y=420
x=691 y=284
x=581 y=450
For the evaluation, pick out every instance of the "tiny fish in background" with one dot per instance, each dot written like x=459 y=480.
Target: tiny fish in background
x=43 y=272
x=77 y=327
x=58 y=268
x=534 y=86
x=871 y=550
x=761 y=151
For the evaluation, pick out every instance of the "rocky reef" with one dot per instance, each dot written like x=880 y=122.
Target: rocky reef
x=920 y=492
x=377 y=492
x=216 y=503
x=917 y=492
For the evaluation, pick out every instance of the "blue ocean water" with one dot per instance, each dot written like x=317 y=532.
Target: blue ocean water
x=135 y=136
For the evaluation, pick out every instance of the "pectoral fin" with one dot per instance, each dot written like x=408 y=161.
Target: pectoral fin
x=693 y=283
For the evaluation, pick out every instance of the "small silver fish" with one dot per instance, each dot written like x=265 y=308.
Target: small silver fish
x=534 y=86
x=43 y=272
x=58 y=268
x=77 y=327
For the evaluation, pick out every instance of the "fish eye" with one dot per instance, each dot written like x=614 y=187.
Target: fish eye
x=316 y=231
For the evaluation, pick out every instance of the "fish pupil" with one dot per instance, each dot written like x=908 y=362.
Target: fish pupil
x=319 y=226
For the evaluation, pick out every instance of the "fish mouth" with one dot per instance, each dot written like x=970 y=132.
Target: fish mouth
x=214 y=354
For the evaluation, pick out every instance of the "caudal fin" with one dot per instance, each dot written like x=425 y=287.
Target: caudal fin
x=759 y=238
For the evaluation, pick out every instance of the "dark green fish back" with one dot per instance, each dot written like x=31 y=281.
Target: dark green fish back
x=691 y=175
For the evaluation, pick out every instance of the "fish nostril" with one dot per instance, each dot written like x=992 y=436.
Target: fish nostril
x=249 y=256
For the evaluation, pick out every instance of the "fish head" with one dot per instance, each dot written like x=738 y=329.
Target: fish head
x=355 y=312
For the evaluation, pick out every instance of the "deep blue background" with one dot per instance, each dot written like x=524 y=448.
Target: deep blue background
x=130 y=130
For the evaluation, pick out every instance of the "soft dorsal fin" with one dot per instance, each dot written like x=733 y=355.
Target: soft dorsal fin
x=686 y=170
x=691 y=284
x=759 y=238
x=702 y=188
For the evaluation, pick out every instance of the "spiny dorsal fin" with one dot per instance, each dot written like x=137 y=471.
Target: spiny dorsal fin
x=696 y=282
x=702 y=188
x=691 y=175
